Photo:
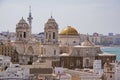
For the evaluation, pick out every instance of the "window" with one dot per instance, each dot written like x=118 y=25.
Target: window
x=20 y=35
x=49 y=36
x=62 y=63
x=77 y=62
x=110 y=69
x=24 y=34
x=78 y=52
x=71 y=63
x=87 y=62
x=58 y=72
x=74 y=41
x=110 y=76
x=54 y=52
x=53 y=35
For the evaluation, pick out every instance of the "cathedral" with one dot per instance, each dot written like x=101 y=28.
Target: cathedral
x=63 y=49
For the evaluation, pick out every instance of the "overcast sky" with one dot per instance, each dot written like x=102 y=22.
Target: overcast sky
x=87 y=16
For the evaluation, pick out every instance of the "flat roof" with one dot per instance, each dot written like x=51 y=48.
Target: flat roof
x=107 y=54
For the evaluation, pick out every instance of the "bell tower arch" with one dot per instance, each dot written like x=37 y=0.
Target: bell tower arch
x=51 y=31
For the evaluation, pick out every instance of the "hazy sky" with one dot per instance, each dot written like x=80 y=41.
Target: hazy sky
x=87 y=16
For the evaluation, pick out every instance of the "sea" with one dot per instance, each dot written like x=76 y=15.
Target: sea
x=112 y=50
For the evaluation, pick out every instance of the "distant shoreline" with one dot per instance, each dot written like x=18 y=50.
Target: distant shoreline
x=109 y=46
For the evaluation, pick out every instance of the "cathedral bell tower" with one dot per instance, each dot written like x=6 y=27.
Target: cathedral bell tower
x=51 y=45
x=51 y=31
x=23 y=31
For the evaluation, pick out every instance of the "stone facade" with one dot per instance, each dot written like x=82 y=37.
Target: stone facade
x=84 y=54
x=27 y=48
x=71 y=62
x=109 y=71
x=50 y=47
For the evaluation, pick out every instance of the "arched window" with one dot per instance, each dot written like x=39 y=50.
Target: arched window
x=87 y=62
x=110 y=76
x=20 y=35
x=53 y=35
x=24 y=34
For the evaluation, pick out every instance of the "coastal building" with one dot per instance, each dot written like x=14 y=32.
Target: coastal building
x=15 y=72
x=97 y=67
x=7 y=49
x=96 y=39
x=110 y=34
x=84 y=74
x=111 y=70
x=59 y=71
x=117 y=39
x=5 y=62
x=2 y=37
x=117 y=70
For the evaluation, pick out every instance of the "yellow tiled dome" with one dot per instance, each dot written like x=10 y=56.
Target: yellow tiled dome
x=69 y=31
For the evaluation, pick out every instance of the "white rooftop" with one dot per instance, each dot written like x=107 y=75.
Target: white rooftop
x=106 y=54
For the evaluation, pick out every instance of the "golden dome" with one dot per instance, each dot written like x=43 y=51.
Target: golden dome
x=69 y=31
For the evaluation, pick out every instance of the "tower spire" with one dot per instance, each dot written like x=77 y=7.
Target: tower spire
x=30 y=9
x=51 y=15
x=30 y=18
